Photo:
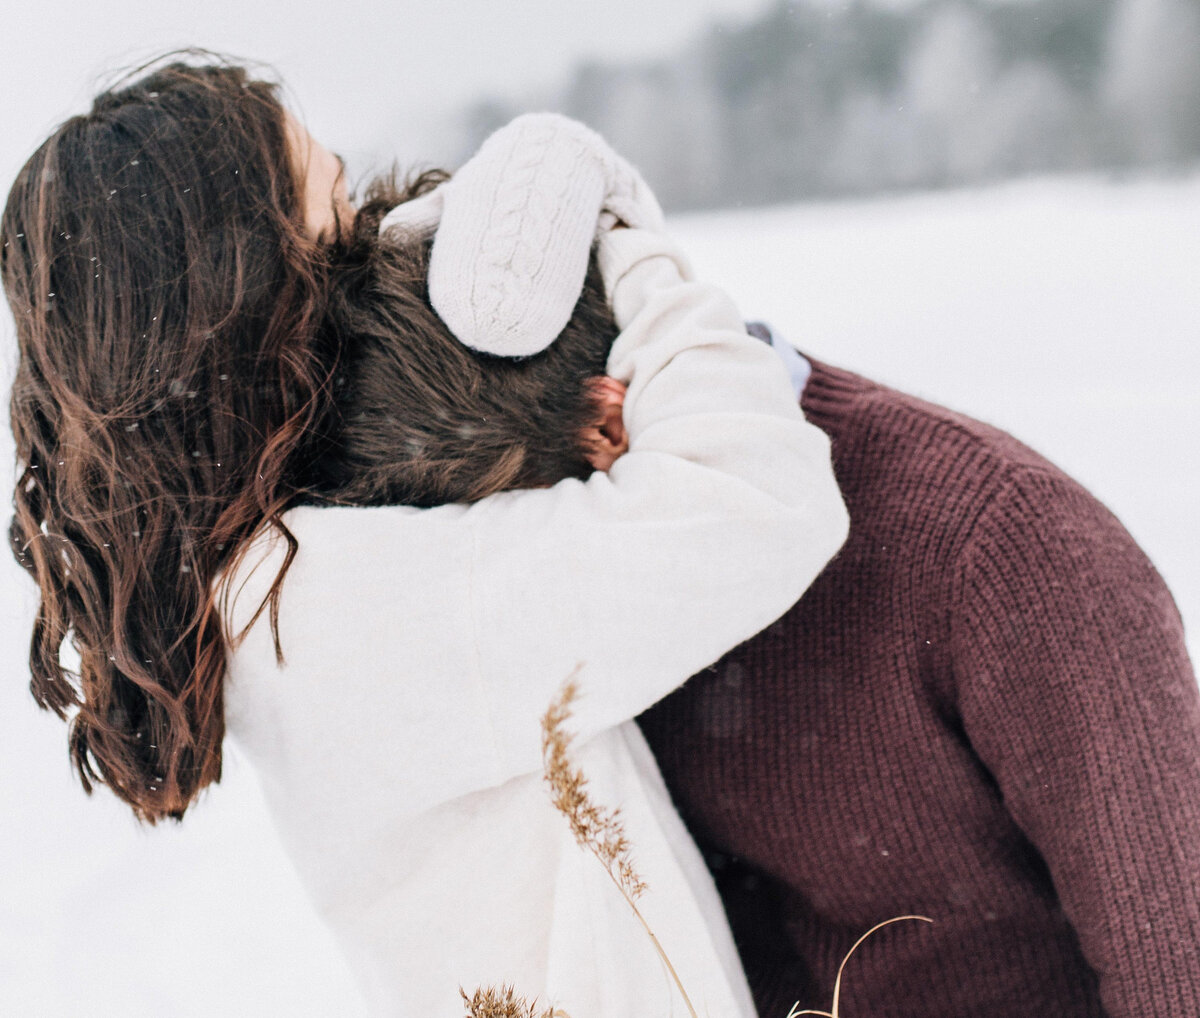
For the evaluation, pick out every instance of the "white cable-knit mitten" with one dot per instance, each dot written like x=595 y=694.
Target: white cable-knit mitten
x=515 y=225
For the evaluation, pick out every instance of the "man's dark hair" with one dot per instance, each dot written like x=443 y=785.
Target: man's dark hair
x=419 y=418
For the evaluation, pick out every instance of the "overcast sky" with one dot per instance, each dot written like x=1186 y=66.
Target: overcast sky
x=352 y=65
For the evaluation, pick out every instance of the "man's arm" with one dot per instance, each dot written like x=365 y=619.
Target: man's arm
x=1076 y=692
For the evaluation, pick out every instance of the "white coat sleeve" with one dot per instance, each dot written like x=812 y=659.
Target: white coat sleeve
x=716 y=520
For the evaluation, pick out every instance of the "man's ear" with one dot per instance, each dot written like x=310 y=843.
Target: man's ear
x=606 y=439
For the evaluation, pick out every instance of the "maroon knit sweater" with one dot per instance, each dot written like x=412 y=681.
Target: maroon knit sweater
x=981 y=712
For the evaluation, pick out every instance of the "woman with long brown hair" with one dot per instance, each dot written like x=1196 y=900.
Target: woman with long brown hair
x=166 y=299
x=168 y=258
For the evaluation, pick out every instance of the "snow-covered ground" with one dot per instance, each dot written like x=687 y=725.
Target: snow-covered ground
x=1067 y=311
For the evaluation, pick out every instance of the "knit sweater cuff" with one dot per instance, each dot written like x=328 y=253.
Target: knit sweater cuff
x=830 y=392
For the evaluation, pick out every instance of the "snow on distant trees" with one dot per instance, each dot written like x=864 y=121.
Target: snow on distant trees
x=1153 y=83
x=818 y=98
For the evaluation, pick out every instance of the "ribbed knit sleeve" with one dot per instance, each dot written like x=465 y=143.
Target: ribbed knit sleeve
x=1076 y=692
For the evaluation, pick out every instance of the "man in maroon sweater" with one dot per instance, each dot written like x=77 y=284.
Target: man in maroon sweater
x=982 y=712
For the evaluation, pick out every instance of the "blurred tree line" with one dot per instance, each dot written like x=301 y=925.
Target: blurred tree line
x=819 y=98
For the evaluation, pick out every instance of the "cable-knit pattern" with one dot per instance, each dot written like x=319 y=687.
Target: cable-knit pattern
x=517 y=223
x=544 y=168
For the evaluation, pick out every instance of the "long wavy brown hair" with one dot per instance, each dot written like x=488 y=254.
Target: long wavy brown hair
x=166 y=302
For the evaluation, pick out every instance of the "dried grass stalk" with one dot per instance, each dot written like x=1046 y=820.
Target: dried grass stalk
x=596 y=829
x=837 y=983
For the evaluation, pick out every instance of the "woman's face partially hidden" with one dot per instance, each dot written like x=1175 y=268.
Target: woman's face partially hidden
x=327 y=208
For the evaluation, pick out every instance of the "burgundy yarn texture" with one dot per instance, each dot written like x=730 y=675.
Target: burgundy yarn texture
x=982 y=712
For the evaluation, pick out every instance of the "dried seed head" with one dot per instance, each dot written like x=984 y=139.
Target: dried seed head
x=504 y=1003
x=596 y=829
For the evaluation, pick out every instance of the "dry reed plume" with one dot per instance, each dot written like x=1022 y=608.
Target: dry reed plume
x=596 y=829
x=504 y=1003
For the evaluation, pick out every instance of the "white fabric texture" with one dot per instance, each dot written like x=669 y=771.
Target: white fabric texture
x=517 y=223
x=399 y=746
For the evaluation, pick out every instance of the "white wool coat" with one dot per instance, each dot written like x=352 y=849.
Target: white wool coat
x=398 y=744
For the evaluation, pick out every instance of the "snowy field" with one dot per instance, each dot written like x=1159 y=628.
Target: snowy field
x=1067 y=311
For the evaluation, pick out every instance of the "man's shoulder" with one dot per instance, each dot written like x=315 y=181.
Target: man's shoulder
x=878 y=425
x=937 y=487
x=941 y=479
